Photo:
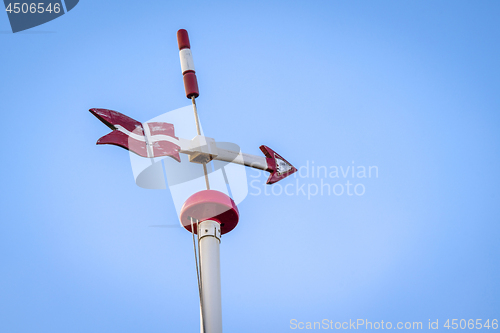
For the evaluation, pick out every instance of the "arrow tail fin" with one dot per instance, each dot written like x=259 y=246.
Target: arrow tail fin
x=130 y=134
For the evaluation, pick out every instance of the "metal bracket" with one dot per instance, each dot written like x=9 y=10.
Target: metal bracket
x=209 y=228
x=203 y=149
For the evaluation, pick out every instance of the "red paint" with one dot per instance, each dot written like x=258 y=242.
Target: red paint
x=210 y=205
x=165 y=148
x=156 y=128
x=111 y=118
x=272 y=167
x=120 y=139
x=183 y=39
x=191 y=84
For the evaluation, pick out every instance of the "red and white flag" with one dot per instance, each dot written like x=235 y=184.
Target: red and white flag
x=153 y=139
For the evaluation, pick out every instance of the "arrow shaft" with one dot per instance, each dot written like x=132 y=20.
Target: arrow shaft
x=256 y=162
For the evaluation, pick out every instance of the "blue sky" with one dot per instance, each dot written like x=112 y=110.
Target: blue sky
x=408 y=87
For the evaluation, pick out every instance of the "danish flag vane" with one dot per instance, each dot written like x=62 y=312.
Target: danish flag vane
x=146 y=140
x=208 y=213
x=157 y=139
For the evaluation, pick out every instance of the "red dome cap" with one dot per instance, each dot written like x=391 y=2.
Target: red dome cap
x=210 y=205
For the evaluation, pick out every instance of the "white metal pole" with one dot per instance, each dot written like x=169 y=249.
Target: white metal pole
x=209 y=247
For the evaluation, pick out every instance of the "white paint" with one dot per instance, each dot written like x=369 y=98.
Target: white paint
x=256 y=162
x=209 y=243
x=282 y=166
x=187 y=63
x=147 y=136
x=151 y=138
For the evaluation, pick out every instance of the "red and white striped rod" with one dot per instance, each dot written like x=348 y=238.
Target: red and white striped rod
x=187 y=64
x=190 y=81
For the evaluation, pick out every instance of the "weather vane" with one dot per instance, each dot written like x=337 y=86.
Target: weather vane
x=207 y=213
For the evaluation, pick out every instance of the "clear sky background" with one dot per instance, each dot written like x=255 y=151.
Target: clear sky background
x=409 y=87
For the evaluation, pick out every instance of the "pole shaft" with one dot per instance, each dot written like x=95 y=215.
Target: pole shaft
x=209 y=247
